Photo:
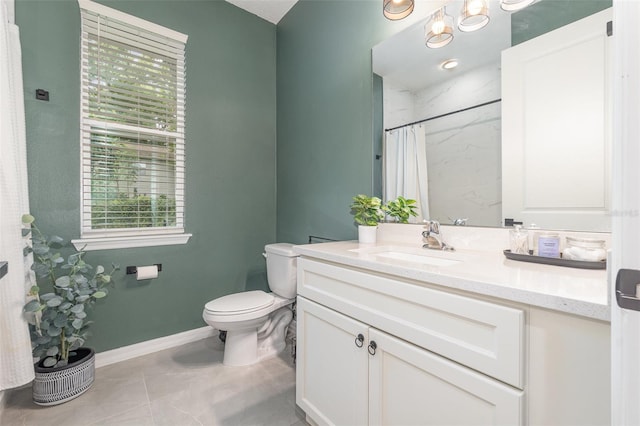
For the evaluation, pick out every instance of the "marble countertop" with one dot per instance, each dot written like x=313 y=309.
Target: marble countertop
x=575 y=291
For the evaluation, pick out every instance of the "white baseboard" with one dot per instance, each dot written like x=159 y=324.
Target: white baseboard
x=150 y=346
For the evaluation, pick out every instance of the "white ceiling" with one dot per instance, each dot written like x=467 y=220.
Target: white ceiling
x=270 y=10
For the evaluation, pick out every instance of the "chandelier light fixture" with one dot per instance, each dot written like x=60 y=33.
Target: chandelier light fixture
x=398 y=9
x=439 y=29
x=474 y=15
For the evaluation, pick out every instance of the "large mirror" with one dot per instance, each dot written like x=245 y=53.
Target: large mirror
x=457 y=112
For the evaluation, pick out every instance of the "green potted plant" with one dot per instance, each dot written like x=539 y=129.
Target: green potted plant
x=401 y=209
x=58 y=319
x=367 y=213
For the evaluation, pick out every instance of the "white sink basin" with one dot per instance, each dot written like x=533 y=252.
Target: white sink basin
x=408 y=254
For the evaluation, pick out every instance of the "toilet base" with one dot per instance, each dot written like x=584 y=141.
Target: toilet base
x=240 y=348
x=246 y=347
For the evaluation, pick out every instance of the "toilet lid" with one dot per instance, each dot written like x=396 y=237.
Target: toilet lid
x=247 y=301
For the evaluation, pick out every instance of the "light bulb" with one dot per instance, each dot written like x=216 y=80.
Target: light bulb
x=438 y=30
x=397 y=9
x=474 y=15
x=474 y=7
x=449 y=64
x=437 y=27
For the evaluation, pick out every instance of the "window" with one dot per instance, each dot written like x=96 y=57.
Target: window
x=132 y=131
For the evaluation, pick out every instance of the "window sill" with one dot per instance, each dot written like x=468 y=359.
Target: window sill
x=92 y=244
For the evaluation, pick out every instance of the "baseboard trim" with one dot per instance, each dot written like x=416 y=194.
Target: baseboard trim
x=150 y=346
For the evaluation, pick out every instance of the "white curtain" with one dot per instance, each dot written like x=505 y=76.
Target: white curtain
x=16 y=366
x=405 y=167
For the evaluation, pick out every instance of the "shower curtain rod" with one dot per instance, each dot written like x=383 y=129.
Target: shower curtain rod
x=444 y=115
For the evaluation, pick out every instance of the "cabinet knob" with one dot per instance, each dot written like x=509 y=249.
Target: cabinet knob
x=360 y=340
x=372 y=348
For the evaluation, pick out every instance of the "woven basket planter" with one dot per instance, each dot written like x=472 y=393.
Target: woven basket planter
x=53 y=386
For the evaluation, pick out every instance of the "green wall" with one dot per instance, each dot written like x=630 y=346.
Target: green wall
x=230 y=149
x=325 y=129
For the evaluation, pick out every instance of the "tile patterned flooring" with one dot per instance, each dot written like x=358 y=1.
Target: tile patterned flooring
x=186 y=385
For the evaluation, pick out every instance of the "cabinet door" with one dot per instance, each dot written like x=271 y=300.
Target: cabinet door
x=411 y=386
x=556 y=127
x=331 y=366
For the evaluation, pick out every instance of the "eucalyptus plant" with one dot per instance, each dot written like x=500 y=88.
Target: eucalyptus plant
x=367 y=210
x=401 y=209
x=58 y=319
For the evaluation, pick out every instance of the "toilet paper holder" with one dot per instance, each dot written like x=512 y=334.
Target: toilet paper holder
x=134 y=269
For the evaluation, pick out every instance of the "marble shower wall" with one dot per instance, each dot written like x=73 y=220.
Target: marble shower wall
x=463 y=149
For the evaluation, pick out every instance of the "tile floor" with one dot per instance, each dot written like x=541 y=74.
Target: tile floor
x=187 y=385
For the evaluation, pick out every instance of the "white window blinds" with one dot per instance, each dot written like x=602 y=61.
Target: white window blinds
x=132 y=125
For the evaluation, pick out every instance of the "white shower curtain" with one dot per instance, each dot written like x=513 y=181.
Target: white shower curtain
x=405 y=167
x=16 y=366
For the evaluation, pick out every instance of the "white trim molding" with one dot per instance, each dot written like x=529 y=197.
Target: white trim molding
x=116 y=14
x=92 y=244
x=150 y=346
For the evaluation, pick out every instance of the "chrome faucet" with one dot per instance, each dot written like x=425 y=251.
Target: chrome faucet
x=460 y=221
x=433 y=236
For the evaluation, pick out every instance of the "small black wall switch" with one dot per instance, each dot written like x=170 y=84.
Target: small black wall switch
x=42 y=95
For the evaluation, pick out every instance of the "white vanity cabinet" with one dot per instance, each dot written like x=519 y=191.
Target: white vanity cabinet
x=484 y=341
x=375 y=350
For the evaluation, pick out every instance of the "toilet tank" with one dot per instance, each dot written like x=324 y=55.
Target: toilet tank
x=281 y=269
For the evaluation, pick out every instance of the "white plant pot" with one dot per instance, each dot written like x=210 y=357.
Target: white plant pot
x=367 y=234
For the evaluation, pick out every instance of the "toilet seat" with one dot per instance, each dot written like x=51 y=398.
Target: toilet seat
x=240 y=303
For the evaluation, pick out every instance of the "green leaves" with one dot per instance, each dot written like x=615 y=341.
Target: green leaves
x=56 y=301
x=63 y=282
x=32 y=306
x=77 y=308
x=49 y=362
x=59 y=322
x=54 y=331
x=367 y=210
x=401 y=208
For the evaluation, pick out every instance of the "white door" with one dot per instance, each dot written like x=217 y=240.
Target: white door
x=409 y=385
x=625 y=323
x=331 y=366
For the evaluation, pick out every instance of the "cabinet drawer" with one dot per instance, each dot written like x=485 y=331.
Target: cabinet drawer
x=481 y=335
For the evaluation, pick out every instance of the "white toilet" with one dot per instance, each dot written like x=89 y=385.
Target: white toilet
x=256 y=322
